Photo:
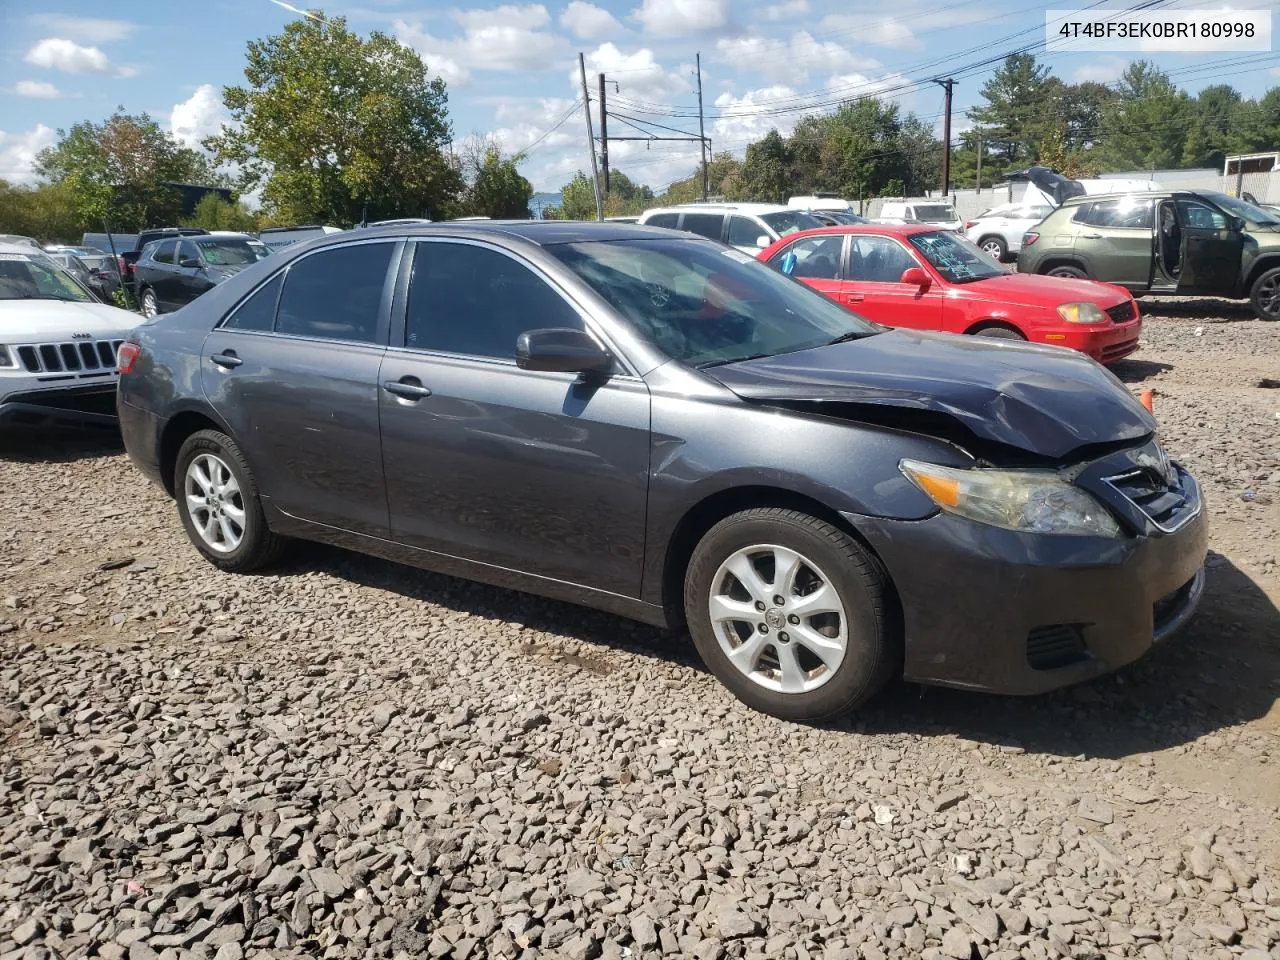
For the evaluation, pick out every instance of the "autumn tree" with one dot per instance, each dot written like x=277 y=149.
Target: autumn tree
x=337 y=128
x=495 y=188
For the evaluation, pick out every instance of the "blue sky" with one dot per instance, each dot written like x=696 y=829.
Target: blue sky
x=512 y=68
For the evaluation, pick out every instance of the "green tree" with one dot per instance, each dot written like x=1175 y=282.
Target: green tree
x=118 y=169
x=495 y=189
x=334 y=127
x=214 y=213
x=1018 y=100
x=921 y=155
x=1259 y=123
x=46 y=212
x=578 y=198
x=766 y=170
x=1145 y=126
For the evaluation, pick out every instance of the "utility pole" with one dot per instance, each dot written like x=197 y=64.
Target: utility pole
x=979 y=190
x=702 y=133
x=604 y=138
x=591 y=138
x=946 y=135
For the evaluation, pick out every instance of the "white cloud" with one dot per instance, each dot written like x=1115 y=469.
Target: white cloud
x=639 y=75
x=39 y=89
x=18 y=152
x=869 y=28
x=523 y=123
x=674 y=18
x=740 y=121
x=890 y=29
x=84 y=28
x=790 y=61
x=787 y=10
x=57 y=53
x=199 y=116
x=589 y=22
x=1106 y=70
x=504 y=38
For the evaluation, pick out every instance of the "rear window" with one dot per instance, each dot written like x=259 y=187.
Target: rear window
x=709 y=225
x=668 y=220
x=933 y=212
x=786 y=222
x=1126 y=212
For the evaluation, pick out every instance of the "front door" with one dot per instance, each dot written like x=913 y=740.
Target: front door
x=874 y=288
x=1116 y=237
x=294 y=374
x=545 y=473
x=162 y=273
x=1211 y=249
x=190 y=278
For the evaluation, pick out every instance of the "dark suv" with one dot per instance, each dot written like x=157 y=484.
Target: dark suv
x=653 y=424
x=173 y=272
x=1182 y=242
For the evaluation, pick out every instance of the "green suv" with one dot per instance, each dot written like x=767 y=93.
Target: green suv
x=1184 y=242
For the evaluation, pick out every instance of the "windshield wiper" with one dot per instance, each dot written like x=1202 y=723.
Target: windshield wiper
x=851 y=335
x=49 y=296
x=721 y=363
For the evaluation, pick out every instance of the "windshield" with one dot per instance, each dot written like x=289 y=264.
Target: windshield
x=933 y=212
x=702 y=304
x=786 y=222
x=29 y=278
x=957 y=259
x=227 y=253
x=1240 y=208
x=259 y=248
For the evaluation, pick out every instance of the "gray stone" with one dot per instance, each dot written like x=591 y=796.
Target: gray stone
x=582 y=882
x=957 y=944
x=1202 y=862
x=733 y=924
x=643 y=932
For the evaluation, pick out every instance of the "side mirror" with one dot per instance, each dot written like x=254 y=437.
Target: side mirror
x=788 y=263
x=916 y=277
x=561 y=350
x=1237 y=224
x=762 y=241
x=189 y=262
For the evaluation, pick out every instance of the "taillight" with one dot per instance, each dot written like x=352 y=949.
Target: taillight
x=968 y=224
x=127 y=356
x=1029 y=238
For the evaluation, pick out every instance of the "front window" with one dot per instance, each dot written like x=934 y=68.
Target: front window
x=29 y=278
x=1245 y=210
x=959 y=260
x=934 y=213
x=705 y=305
x=227 y=253
x=786 y=222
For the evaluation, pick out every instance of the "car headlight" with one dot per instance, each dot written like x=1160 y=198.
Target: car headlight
x=1082 y=313
x=1029 y=501
x=6 y=360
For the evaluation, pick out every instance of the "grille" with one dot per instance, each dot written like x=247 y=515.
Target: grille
x=1057 y=645
x=82 y=356
x=1153 y=495
x=1121 y=312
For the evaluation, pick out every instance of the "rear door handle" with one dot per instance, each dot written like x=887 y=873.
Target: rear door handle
x=407 y=388
x=226 y=360
x=1090 y=236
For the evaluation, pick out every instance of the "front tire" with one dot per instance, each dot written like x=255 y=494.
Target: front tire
x=999 y=333
x=791 y=614
x=995 y=247
x=1264 y=297
x=1073 y=273
x=150 y=305
x=219 y=505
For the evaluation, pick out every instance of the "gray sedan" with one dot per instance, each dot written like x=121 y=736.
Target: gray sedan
x=658 y=426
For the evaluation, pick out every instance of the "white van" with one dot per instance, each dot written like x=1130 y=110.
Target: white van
x=821 y=201
x=750 y=227
x=277 y=237
x=939 y=213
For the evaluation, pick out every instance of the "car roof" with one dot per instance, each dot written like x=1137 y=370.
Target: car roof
x=894 y=229
x=541 y=232
x=723 y=208
x=9 y=247
x=1140 y=194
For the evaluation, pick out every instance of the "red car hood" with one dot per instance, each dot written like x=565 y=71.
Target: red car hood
x=1033 y=290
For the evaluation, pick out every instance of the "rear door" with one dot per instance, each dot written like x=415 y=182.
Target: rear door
x=545 y=473
x=190 y=281
x=294 y=373
x=1117 y=236
x=873 y=286
x=1211 y=250
x=817 y=264
x=160 y=273
x=709 y=225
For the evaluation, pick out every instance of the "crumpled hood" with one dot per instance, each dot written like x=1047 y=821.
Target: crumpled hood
x=1045 y=400
x=34 y=321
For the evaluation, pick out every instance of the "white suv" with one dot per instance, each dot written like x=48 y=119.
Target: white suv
x=999 y=230
x=938 y=213
x=748 y=226
x=57 y=346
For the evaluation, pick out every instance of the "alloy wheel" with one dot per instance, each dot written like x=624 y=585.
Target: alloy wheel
x=215 y=502
x=1268 y=297
x=778 y=618
x=992 y=249
x=149 y=308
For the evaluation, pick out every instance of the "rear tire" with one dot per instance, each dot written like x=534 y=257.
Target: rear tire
x=148 y=303
x=826 y=649
x=995 y=247
x=219 y=506
x=1074 y=273
x=1264 y=297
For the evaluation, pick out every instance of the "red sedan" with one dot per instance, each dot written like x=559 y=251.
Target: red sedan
x=918 y=276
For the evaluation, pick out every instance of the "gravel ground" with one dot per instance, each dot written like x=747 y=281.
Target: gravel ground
x=346 y=758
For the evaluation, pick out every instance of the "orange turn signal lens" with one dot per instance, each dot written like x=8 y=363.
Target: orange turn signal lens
x=945 y=492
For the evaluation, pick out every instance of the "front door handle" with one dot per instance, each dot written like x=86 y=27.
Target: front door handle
x=407 y=388
x=854 y=297
x=1090 y=236
x=226 y=360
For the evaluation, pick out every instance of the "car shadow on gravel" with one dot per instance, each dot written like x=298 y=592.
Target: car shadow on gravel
x=1222 y=670
x=1200 y=309
x=538 y=614
x=1135 y=371
x=59 y=447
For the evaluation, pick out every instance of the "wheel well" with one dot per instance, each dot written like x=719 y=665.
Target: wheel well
x=991 y=236
x=707 y=513
x=175 y=434
x=1261 y=266
x=1054 y=262
x=993 y=325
